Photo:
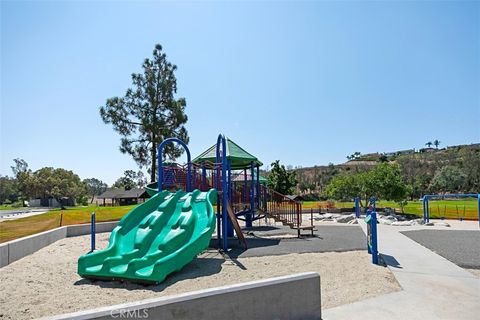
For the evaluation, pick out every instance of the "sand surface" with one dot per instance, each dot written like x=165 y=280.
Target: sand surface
x=46 y=283
x=475 y=272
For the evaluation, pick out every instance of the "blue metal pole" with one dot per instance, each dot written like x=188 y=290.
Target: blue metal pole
x=221 y=139
x=160 y=162
x=92 y=231
x=424 y=209
x=357 y=211
x=258 y=186
x=230 y=196
x=374 y=234
x=248 y=215
x=245 y=185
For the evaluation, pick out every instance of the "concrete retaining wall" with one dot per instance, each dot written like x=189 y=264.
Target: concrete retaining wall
x=16 y=249
x=83 y=229
x=3 y=255
x=22 y=247
x=289 y=297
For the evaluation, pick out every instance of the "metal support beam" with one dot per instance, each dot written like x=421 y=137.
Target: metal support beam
x=160 y=162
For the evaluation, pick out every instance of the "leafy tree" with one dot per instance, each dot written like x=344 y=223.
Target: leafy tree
x=95 y=187
x=384 y=182
x=281 y=180
x=57 y=183
x=8 y=189
x=23 y=179
x=149 y=113
x=345 y=186
x=140 y=179
x=436 y=143
x=448 y=179
x=130 y=180
x=387 y=182
x=19 y=167
x=429 y=144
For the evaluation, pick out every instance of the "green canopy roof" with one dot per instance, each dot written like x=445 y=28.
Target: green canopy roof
x=240 y=158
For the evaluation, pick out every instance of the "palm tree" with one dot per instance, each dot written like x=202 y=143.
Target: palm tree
x=429 y=144
x=436 y=143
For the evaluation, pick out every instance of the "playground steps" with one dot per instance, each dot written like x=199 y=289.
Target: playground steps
x=277 y=218
x=291 y=225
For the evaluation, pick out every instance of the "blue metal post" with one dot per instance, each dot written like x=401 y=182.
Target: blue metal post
x=374 y=234
x=221 y=140
x=424 y=208
x=92 y=231
x=160 y=162
x=230 y=196
x=248 y=215
x=357 y=208
x=245 y=185
x=258 y=186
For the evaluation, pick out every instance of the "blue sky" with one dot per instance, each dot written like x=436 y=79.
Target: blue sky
x=304 y=82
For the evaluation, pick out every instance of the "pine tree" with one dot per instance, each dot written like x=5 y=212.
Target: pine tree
x=149 y=113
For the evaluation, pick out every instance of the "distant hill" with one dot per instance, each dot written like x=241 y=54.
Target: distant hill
x=413 y=162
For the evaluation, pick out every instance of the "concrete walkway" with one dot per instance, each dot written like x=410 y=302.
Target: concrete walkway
x=433 y=287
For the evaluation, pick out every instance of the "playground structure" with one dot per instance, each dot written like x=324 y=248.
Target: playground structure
x=166 y=232
x=427 y=209
x=227 y=167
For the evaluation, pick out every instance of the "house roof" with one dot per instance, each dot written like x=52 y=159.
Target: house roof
x=116 y=193
x=239 y=158
x=294 y=197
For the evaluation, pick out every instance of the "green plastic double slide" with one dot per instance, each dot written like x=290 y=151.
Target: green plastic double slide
x=155 y=238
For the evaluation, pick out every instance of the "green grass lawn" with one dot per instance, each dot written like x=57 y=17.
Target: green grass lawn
x=8 y=207
x=450 y=209
x=14 y=229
